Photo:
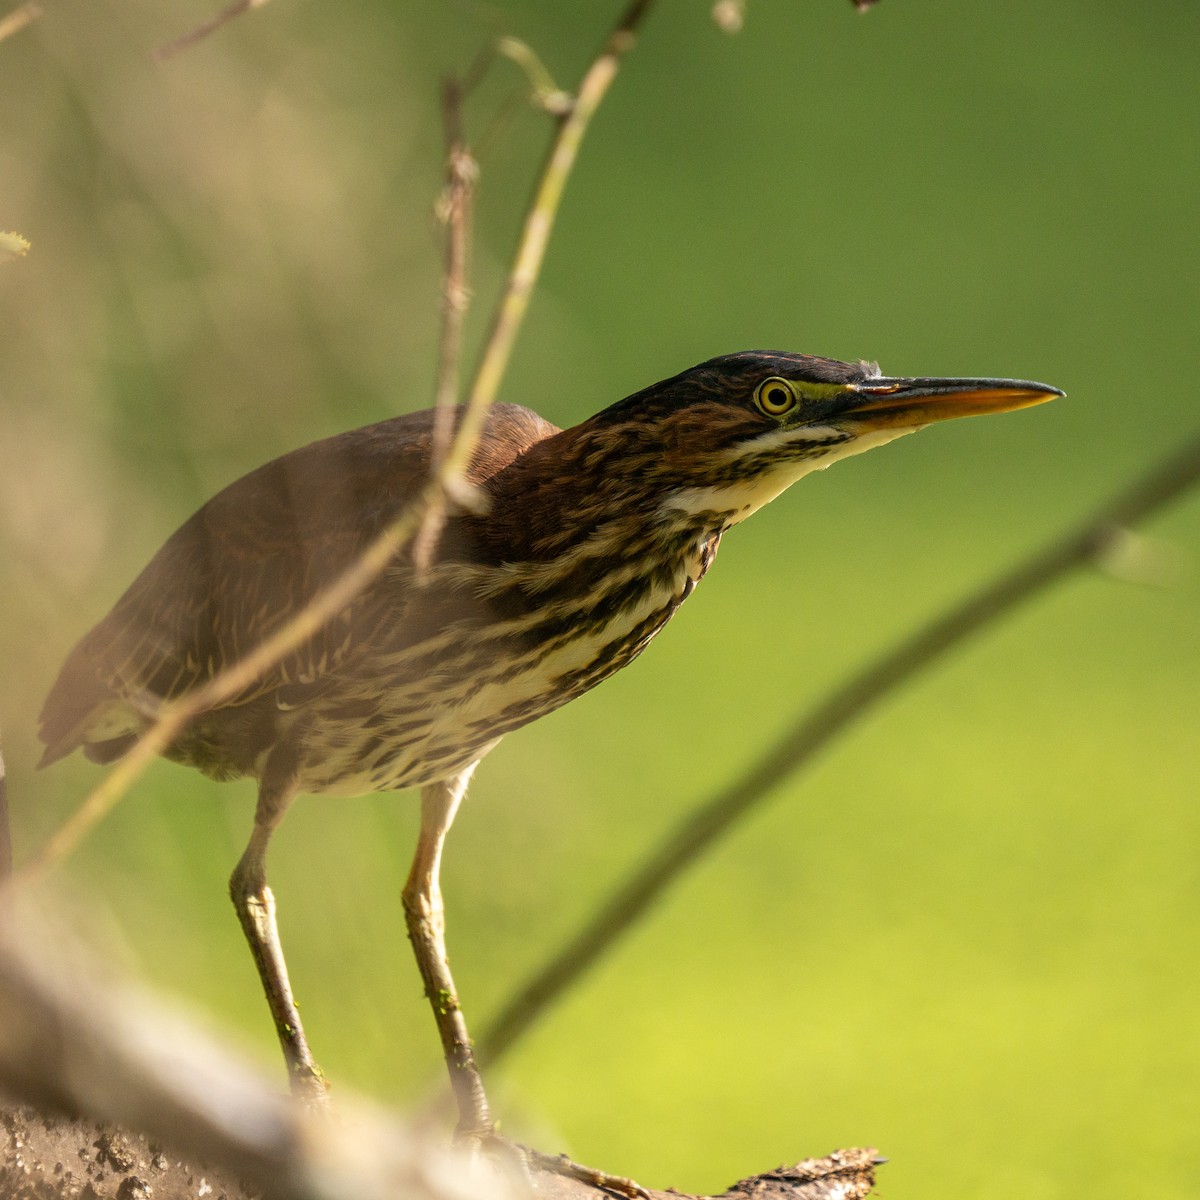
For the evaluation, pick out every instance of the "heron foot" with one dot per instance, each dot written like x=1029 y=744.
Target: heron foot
x=560 y=1164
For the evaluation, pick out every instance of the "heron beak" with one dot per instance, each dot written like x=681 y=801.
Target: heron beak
x=905 y=403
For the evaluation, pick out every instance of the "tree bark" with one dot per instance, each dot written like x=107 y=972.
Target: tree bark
x=45 y=1156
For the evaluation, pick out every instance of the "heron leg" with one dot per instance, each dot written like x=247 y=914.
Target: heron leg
x=426 y=930
x=255 y=907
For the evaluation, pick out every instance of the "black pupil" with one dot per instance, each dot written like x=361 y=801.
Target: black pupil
x=776 y=397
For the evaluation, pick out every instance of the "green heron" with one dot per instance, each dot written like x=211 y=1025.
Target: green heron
x=592 y=538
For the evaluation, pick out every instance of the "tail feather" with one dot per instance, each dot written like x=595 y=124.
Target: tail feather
x=83 y=711
x=54 y=752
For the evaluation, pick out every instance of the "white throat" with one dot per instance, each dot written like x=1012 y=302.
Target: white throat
x=741 y=498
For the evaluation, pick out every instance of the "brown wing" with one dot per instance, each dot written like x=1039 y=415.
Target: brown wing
x=243 y=564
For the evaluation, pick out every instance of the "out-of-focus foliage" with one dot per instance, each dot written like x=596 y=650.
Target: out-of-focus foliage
x=968 y=937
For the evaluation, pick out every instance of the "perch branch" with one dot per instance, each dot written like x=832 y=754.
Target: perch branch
x=111 y=1079
x=1090 y=540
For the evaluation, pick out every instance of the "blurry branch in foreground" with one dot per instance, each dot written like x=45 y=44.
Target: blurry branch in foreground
x=73 y=1043
x=153 y=1106
x=16 y=20
x=445 y=481
x=1092 y=542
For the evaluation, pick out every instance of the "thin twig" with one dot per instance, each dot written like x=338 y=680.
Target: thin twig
x=531 y=249
x=547 y=95
x=539 y=223
x=454 y=210
x=186 y=41
x=819 y=727
x=16 y=20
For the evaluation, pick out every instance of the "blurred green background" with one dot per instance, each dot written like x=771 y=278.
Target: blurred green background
x=969 y=935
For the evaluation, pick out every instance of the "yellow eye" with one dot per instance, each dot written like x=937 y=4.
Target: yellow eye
x=775 y=397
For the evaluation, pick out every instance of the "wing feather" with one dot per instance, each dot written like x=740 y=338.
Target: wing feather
x=247 y=561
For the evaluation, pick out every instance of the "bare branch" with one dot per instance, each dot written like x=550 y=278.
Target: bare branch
x=577 y=113
x=539 y=223
x=1079 y=547
x=186 y=41
x=454 y=210
x=531 y=248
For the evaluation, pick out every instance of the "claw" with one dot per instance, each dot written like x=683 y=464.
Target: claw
x=560 y=1164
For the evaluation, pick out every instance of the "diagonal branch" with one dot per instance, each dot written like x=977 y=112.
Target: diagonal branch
x=698 y=833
